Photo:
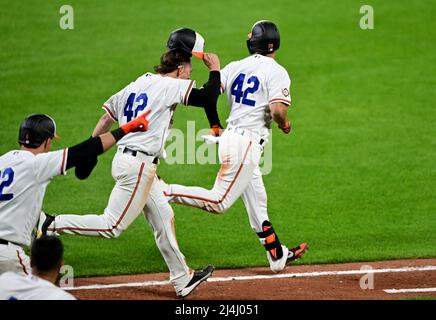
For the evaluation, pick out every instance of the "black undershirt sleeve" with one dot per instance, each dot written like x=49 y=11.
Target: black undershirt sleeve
x=87 y=149
x=207 y=96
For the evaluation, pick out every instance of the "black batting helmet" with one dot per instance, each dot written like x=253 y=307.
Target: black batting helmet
x=187 y=40
x=264 y=37
x=35 y=129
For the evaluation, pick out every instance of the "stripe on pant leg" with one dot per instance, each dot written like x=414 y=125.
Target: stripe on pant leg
x=119 y=220
x=225 y=194
x=21 y=263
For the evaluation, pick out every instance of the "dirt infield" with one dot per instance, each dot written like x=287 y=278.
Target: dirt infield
x=325 y=282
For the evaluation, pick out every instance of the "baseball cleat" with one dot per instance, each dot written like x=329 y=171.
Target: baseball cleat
x=277 y=265
x=297 y=252
x=197 y=278
x=42 y=228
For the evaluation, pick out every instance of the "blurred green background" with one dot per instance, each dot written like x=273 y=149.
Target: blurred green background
x=356 y=179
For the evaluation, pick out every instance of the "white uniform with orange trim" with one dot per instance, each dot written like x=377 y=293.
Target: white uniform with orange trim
x=251 y=85
x=16 y=287
x=24 y=178
x=135 y=190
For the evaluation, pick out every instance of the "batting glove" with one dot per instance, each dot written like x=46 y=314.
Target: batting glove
x=138 y=124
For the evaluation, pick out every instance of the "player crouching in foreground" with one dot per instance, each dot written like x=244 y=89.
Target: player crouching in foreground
x=46 y=259
x=258 y=92
x=26 y=173
x=137 y=188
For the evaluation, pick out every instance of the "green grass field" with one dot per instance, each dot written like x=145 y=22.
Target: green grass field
x=357 y=177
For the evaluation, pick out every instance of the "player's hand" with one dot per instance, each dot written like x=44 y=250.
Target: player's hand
x=216 y=130
x=210 y=139
x=287 y=128
x=138 y=124
x=211 y=61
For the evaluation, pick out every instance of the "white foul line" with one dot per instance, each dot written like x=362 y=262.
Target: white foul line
x=410 y=290
x=325 y=273
x=242 y=278
x=120 y=285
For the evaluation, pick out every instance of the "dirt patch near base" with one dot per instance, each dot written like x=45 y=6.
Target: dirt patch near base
x=301 y=287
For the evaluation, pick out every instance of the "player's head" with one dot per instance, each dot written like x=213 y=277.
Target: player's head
x=264 y=38
x=187 y=40
x=46 y=257
x=35 y=130
x=177 y=62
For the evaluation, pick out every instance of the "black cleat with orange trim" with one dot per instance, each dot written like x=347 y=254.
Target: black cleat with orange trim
x=297 y=252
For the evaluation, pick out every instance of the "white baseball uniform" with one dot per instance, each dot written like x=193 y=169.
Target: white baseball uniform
x=17 y=287
x=251 y=85
x=23 y=180
x=137 y=186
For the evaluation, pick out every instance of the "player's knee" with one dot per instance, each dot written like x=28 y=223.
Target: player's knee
x=115 y=232
x=219 y=208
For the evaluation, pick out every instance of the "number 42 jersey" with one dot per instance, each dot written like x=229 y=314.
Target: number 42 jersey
x=24 y=178
x=251 y=85
x=154 y=92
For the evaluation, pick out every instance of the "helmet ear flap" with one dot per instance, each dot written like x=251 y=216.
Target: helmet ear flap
x=249 y=47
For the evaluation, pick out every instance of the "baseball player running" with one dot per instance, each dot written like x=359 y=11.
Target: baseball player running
x=134 y=165
x=25 y=174
x=46 y=259
x=258 y=92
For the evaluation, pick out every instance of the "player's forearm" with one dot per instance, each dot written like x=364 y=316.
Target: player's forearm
x=212 y=90
x=207 y=97
x=111 y=138
x=103 y=125
x=279 y=113
x=93 y=147
x=280 y=119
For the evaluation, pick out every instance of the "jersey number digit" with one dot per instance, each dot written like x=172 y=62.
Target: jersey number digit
x=239 y=93
x=6 y=183
x=129 y=113
x=237 y=87
x=253 y=89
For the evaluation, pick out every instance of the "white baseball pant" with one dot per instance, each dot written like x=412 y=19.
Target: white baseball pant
x=239 y=176
x=13 y=258
x=136 y=189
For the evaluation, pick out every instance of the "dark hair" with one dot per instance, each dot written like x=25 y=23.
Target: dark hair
x=46 y=253
x=170 y=60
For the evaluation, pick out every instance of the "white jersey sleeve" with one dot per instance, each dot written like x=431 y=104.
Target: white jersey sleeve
x=278 y=86
x=179 y=91
x=58 y=294
x=224 y=77
x=50 y=164
x=114 y=105
x=16 y=287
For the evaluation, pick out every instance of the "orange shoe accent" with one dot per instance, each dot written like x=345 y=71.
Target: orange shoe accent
x=299 y=251
x=270 y=239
